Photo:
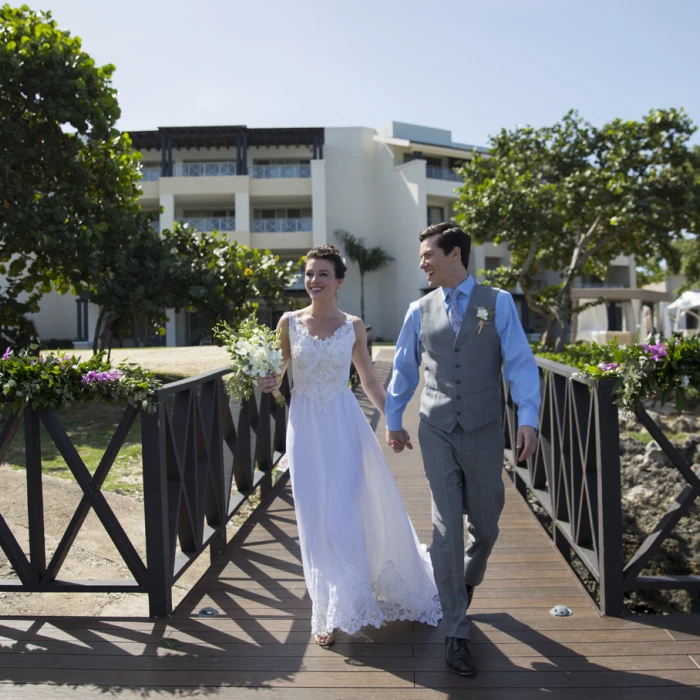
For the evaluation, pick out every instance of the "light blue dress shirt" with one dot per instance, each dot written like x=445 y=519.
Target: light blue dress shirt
x=519 y=366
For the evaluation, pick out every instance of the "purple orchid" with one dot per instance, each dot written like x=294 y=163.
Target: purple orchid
x=657 y=352
x=95 y=377
x=7 y=354
x=608 y=366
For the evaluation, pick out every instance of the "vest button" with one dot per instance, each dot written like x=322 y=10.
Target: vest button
x=456 y=349
x=457 y=366
x=459 y=397
x=459 y=381
x=459 y=413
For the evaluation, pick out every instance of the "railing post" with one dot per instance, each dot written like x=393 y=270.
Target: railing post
x=35 y=495
x=155 y=503
x=609 y=498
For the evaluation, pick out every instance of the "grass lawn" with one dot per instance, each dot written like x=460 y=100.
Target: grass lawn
x=171 y=362
x=91 y=425
x=644 y=436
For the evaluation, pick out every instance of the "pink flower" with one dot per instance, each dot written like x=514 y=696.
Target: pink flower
x=608 y=366
x=7 y=354
x=657 y=352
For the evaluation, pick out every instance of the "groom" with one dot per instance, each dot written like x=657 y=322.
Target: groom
x=463 y=333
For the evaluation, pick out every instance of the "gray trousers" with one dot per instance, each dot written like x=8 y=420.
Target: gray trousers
x=465 y=475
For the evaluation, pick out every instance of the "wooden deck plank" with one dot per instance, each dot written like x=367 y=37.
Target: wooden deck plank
x=335 y=663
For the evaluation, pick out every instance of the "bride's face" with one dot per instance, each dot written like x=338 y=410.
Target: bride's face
x=321 y=282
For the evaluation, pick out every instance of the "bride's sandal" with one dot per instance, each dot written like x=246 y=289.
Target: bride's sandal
x=324 y=640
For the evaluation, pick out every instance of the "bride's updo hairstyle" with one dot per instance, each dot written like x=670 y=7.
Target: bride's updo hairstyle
x=332 y=254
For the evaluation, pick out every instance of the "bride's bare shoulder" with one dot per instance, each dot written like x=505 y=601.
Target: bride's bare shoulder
x=355 y=320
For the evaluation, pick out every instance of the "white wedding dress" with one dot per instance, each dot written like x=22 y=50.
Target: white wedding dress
x=363 y=563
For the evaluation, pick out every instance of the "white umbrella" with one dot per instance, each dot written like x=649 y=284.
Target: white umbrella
x=687 y=303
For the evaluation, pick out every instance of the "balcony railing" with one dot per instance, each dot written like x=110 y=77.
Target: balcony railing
x=598 y=285
x=206 y=224
x=436 y=173
x=278 y=171
x=150 y=173
x=303 y=223
x=205 y=169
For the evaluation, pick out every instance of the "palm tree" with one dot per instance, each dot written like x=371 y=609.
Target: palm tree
x=367 y=259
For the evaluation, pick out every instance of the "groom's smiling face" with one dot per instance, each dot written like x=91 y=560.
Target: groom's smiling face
x=440 y=268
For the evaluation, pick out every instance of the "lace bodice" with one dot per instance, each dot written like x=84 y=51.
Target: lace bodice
x=321 y=367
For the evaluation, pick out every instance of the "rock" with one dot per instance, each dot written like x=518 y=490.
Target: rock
x=685 y=424
x=638 y=493
x=654 y=454
x=631 y=446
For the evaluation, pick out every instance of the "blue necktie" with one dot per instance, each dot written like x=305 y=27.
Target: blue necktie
x=454 y=314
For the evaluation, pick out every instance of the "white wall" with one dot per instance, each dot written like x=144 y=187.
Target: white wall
x=351 y=205
x=58 y=317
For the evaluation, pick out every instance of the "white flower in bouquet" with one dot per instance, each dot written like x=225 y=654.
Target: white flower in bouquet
x=255 y=351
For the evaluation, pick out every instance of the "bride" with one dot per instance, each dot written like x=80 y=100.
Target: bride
x=363 y=564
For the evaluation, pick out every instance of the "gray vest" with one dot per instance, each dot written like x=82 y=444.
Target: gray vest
x=463 y=372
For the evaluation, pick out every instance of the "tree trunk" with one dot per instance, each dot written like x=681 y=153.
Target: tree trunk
x=558 y=333
x=362 y=296
x=106 y=335
x=98 y=326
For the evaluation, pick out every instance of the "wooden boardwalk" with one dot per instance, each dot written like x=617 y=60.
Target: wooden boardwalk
x=260 y=645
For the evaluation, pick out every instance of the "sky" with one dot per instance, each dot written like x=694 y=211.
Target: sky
x=472 y=67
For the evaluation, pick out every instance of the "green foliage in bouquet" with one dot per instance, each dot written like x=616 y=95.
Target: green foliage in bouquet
x=255 y=351
x=58 y=380
x=664 y=370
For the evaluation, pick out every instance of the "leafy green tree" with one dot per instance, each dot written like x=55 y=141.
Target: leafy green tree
x=68 y=178
x=687 y=262
x=367 y=259
x=226 y=280
x=571 y=197
x=144 y=274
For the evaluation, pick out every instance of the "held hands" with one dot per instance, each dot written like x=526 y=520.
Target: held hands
x=398 y=439
x=526 y=442
x=268 y=383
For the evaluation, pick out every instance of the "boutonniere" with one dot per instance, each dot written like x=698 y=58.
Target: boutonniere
x=485 y=316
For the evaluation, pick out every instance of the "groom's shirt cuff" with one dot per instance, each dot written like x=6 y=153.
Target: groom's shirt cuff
x=527 y=416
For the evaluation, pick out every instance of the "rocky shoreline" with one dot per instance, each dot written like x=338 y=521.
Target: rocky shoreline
x=650 y=484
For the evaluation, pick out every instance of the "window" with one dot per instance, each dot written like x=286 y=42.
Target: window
x=436 y=215
x=281 y=213
x=614 y=316
x=282 y=161
x=207 y=213
x=492 y=263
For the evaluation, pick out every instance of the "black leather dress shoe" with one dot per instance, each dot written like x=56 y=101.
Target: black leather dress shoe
x=470 y=595
x=458 y=657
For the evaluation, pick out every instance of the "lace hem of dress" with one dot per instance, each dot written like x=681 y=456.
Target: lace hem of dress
x=353 y=603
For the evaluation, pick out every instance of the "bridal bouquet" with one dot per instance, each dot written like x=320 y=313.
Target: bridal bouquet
x=255 y=351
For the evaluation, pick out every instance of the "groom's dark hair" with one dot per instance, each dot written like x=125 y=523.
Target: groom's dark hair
x=451 y=236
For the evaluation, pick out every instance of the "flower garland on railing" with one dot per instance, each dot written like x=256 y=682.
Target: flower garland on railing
x=661 y=370
x=57 y=380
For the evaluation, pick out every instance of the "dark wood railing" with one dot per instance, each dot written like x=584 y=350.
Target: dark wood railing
x=575 y=477
x=203 y=456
